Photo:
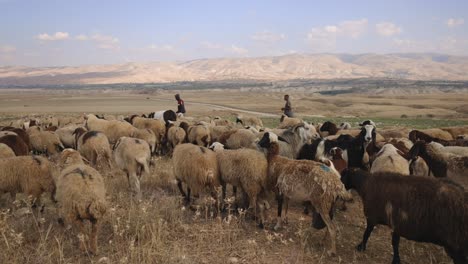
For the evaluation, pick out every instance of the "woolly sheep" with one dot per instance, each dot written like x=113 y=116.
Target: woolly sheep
x=442 y=164
x=251 y=175
x=81 y=195
x=146 y=135
x=304 y=180
x=249 y=121
x=32 y=175
x=197 y=167
x=176 y=135
x=94 y=146
x=239 y=138
x=422 y=209
x=132 y=155
x=16 y=144
x=389 y=159
x=6 y=151
x=461 y=151
x=66 y=136
x=157 y=126
x=288 y=122
x=199 y=135
x=45 y=142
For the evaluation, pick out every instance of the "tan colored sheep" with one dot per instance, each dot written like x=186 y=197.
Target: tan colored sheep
x=199 y=135
x=240 y=138
x=5 y=151
x=81 y=195
x=250 y=121
x=66 y=135
x=146 y=135
x=156 y=125
x=94 y=146
x=176 y=135
x=456 y=131
x=246 y=169
x=132 y=155
x=197 y=167
x=389 y=159
x=304 y=180
x=31 y=175
x=44 y=141
x=288 y=122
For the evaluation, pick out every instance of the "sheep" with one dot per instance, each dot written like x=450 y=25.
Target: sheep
x=176 y=135
x=337 y=158
x=146 y=135
x=199 y=135
x=249 y=121
x=288 y=122
x=401 y=132
x=133 y=155
x=197 y=167
x=113 y=129
x=94 y=146
x=16 y=144
x=157 y=126
x=20 y=132
x=428 y=135
x=389 y=159
x=165 y=116
x=456 y=131
x=251 y=176
x=31 y=175
x=6 y=151
x=221 y=122
x=217 y=131
x=457 y=150
x=44 y=142
x=81 y=195
x=442 y=164
x=66 y=136
x=422 y=209
x=418 y=167
x=295 y=138
x=239 y=138
x=50 y=121
x=304 y=180
x=7 y=133
x=328 y=129
x=345 y=125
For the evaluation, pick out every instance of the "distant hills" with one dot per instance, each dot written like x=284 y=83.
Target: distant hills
x=288 y=67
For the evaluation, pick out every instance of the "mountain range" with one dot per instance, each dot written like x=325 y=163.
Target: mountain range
x=413 y=66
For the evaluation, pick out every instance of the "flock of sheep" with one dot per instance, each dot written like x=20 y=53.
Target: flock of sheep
x=413 y=181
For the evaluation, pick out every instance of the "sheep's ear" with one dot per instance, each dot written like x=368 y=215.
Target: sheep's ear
x=282 y=139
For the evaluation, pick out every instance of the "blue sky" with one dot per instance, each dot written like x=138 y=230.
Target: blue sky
x=51 y=33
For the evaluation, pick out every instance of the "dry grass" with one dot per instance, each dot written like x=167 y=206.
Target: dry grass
x=160 y=230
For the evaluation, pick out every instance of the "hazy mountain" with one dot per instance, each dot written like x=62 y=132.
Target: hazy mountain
x=294 y=66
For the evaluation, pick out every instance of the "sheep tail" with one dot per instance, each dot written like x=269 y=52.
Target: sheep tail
x=143 y=162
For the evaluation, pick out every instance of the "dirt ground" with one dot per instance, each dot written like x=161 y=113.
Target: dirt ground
x=161 y=230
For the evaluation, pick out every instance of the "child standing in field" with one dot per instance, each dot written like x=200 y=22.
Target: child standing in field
x=287 y=109
x=180 y=104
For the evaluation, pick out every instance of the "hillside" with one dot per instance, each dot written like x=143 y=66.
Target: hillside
x=295 y=66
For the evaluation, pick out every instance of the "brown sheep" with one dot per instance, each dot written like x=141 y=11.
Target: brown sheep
x=16 y=144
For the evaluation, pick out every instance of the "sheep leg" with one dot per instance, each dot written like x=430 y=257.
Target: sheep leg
x=93 y=237
x=395 y=245
x=279 y=199
x=223 y=195
x=331 y=231
x=284 y=216
x=82 y=234
x=362 y=246
x=135 y=186
x=181 y=189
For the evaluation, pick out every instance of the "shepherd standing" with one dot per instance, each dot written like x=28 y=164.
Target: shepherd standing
x=180 y=104
x=287 y=109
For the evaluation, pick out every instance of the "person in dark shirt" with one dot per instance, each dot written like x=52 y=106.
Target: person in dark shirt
x=287 y=109
x=180 y=104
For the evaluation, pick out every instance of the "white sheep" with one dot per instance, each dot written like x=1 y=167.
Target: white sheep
x=81 y=195
x=457 y=150
x=389 y=159
x=66 y=136
x=246 y=169
x=132 y=155
x=197 y=167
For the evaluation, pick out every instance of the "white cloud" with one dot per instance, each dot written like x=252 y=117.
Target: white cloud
x=453 y=22
x=81 y=37
x=268 y=37
x=7 y=49
x=324 y=38
x=238 y=50
x=106 y=41
x=387 y=29
x=165 y=47
x=56 y=36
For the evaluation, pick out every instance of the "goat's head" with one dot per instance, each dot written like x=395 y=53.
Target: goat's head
x=368 y=133
x=216 y=146
x=268 y=138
